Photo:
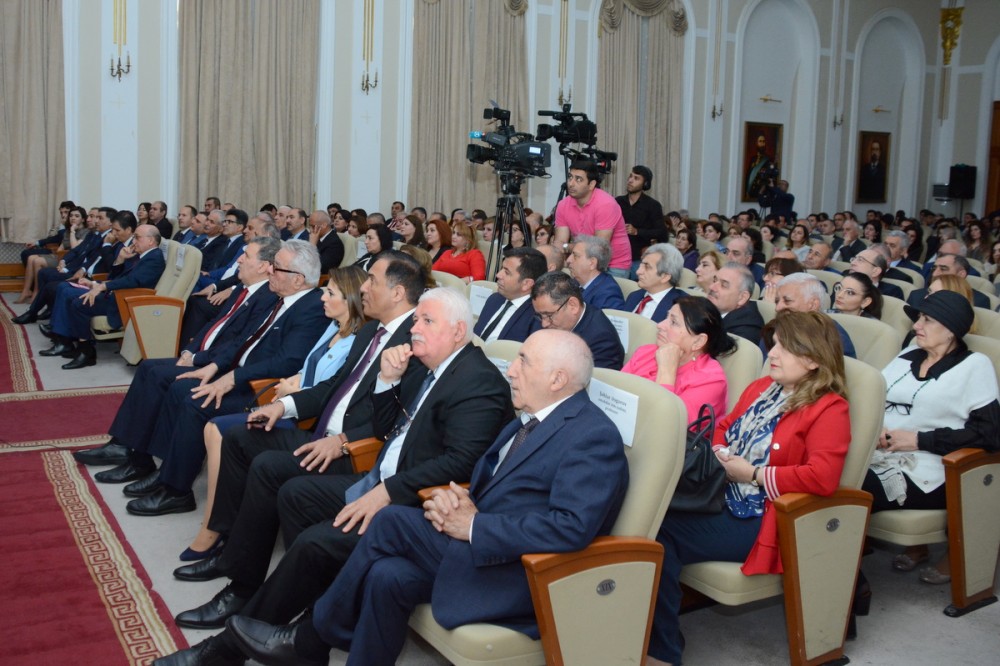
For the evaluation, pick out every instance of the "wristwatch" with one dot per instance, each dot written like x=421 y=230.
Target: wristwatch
x=753 y=479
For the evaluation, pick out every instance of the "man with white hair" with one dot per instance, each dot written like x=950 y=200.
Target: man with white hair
x=897 y=243
x=552 y=481
x=846 y=249
x=659 y=274
x=588 y=262
x=802 y=292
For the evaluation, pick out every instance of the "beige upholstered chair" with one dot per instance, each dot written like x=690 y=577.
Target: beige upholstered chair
x=634 y=330
x=600 y=611
x=451 y=282
x=827 y=278
x=975 y=263
x=907 y=287
x=627 y=286
x=704 y=245
x=894 y=315
x=987 y=323
x=985 y=286
x=502 y=353
x=820 y=539
x=918 y=278
x=688 y=278
x=479 y=291
x=350 y=248
x=152 y=318
x=875 y=342
x=766 y=309
x=972 y=533
x=840 y=266
x=742 y=367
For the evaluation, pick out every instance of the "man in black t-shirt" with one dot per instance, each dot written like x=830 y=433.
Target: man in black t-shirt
x=643 y=214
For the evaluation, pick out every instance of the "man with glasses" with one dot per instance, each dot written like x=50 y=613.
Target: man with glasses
x=873 y=263
x=950 y=264
x=233 y=226
x=558 y=303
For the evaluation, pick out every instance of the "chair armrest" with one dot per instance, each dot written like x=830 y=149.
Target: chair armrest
x=120 y=300
x=798 y=504
x=99 y=277
x=425 y=493
x=265 y=389
x=364 y=453
x=966 y=459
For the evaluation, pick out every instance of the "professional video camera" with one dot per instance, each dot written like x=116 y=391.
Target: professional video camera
x=575 y=128
x=510 y=151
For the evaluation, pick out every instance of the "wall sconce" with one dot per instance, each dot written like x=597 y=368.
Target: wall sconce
x=117 y=71
x=716 y=113
x=767 y=99
x=367 y=48
x=368 y=83
x=120 y=32
x=565 y=99
x=879 y=109
x=838 y=122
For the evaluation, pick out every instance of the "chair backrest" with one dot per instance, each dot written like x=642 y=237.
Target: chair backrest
x=826 y=277
x=918 y=278
x=767 y=309
x=983 y=285
x=502 y=353
x=634 y=330
x=975 y=263
x=741 y=367
x=875 y=342
x=350 y=248
x=988 y=346
x=866 y=396
x=894 y=315
x=704 y=245
x=479 y=291
x=907 y=287
x=840 y=266
x=627 y=286
x=688 y=278
x=987 y=323
x=181 y=272
x=451 y=282
x=656 y=453
x=768 y=249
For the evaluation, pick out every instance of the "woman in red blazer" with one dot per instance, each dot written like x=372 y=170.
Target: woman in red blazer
x=789 y=432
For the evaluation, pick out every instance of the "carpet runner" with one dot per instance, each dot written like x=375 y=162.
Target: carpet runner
x=57 y=419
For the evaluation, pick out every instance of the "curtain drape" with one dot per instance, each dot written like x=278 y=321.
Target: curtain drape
x=248 y=73
x=32 y=116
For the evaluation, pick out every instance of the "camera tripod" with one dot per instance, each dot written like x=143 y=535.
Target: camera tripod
x=510 y=211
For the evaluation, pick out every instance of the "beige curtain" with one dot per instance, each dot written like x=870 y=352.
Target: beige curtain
x=627 y=71
x=248 y=73
x=32 y=116
x=454 y=77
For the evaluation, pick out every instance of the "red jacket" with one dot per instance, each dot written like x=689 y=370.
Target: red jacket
x=807 y=456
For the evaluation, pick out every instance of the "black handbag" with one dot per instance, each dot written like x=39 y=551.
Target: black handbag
x=702 y=485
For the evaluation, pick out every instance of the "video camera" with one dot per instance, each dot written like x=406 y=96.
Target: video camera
x=510 y=151
x=575 y=128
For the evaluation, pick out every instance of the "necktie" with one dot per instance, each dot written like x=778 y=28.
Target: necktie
x=258 y=334
x=374 y=476
x=522 y=434
x=642 y=304
x=348 y=385
x=496 y=320
x=221 y=322
x=309 y=376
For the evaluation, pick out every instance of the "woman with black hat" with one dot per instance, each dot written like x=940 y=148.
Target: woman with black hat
x=940 y=397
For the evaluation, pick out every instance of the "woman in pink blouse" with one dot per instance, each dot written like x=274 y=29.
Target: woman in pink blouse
x=683 y=360
x=464 y=259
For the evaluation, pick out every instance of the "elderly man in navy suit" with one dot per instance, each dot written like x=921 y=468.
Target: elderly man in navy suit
x=558 y=303
x=552 y=481
x=139 y=265
x=659 y=274
x=588 y=262
x=508 y=314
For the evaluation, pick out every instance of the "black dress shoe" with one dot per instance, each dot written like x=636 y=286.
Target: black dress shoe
x=210 y=652
x=25 y=318
x=199 y=572
x=71 y=351
x=44 y=314
x=56 y=349
x=268 y=644
x=46 y=330
x=111 y=453
x=83 y=360
x=212 y=615
x=160 y=502
x=143 y=486
x=124 y=473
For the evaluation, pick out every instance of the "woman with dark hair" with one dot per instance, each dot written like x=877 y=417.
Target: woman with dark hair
x=76 y=230
x=857 y=295
x=516 y=238
x=802 y=405
x=798 y=241
x=753 y=235
x=713 y=234
x=412 y=231
x=342 y=304
x=978 y=240
x=342 y=222
x=992 y=265
x=915 y=252
x=873 y=232
x=771 y=234
x=687 y=242
x=438 y=235
x=378 y=239
x=142 y=212
x=543 y=235
x=683 y=360
x=357 y=226
x=774 y=270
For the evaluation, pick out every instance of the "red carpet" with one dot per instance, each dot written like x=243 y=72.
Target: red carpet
x=17 y=371
x=71 y=589
x=57 y=419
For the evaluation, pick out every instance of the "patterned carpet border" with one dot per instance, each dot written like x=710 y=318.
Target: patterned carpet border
x=135 y=613
x=23 y=376
x=63 y=393
x=13 y=438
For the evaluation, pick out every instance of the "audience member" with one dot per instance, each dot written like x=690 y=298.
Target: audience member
x=463 y=260
x=588 y=263
x=592 y=211
x=508 y=314
x=856 y=295
x=659 y=274
x=731 y=291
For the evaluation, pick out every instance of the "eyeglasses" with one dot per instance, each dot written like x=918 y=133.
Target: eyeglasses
x=898 y=407
x=547 y=316
x=285 y=270
x=858 y=257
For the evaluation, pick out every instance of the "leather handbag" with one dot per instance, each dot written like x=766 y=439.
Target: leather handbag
x=702 y=485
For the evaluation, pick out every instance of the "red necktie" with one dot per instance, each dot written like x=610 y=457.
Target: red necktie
x=642 y=304
x=239 y=301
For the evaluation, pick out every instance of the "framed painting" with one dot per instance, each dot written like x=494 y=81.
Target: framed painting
x=761 y=154
x=873 y=167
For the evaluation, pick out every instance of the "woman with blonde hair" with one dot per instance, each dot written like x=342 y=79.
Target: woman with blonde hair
x=463 y=260
x=708 y=265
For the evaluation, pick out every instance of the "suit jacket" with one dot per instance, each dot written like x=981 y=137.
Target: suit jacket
x=562 y=488
x=518 y=327
x=331 y=252
x=600 y=335
x=894 y=273
x=215 y=275
x=660 y=313
x=282 y=349
x=311 y=402
x=887 y=289
x=745 y=322
x=237 y=329
x=758 y=274
x=230 y=253
x=980 y=300
x=604 y=292
x=847 y=251
x=461 y=414
x=212 y=251
x=145 y=272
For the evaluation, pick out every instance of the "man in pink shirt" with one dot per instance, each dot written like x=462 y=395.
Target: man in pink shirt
x=592 y=211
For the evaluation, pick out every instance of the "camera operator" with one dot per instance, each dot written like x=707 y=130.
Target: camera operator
x=589 y=210
x=775 y=196
x=643 y=215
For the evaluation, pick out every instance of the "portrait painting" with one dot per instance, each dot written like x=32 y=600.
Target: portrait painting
x=873 y=167
x=761 y=154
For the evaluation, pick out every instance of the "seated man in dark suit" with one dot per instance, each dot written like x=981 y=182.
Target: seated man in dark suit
x=818 y=258
x=948 y=246
x=233 y=227
x=588 y=262
x=740 y=250
x=456 y=403
x=552 y=481
x=141 y=265
x=214 y=242
x=851 y=245
x=872 y=262
x=897 y=243
x=243 y=313
x=326 y=240
x=659 y=274
x=558 y=303
x=508 y=314
x=276 y=348
x=731 y=292
x=951 y=264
